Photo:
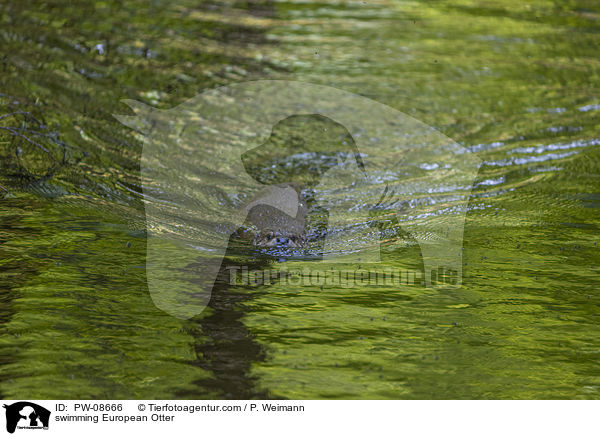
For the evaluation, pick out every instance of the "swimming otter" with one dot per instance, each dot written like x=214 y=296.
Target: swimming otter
x=299 y=152
x=278 y=215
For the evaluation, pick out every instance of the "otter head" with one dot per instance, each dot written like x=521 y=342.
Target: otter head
x=279 y=216
x=270 y=238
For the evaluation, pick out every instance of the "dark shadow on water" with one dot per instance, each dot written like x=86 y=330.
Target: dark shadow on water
x=224 y=346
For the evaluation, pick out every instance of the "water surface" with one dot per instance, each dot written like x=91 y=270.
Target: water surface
x=516 y=84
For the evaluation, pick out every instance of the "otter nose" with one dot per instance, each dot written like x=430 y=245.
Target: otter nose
x=282 y=240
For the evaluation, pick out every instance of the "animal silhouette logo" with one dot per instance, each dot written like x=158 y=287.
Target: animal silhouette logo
x=195 y=183
x=26 y=415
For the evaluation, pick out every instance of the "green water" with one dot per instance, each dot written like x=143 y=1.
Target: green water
x=516 y=83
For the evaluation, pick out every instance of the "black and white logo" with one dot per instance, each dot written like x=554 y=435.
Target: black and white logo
x=26 y=415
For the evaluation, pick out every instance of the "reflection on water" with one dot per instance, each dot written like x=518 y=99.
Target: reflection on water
x=224 y=345
x=514 y=83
